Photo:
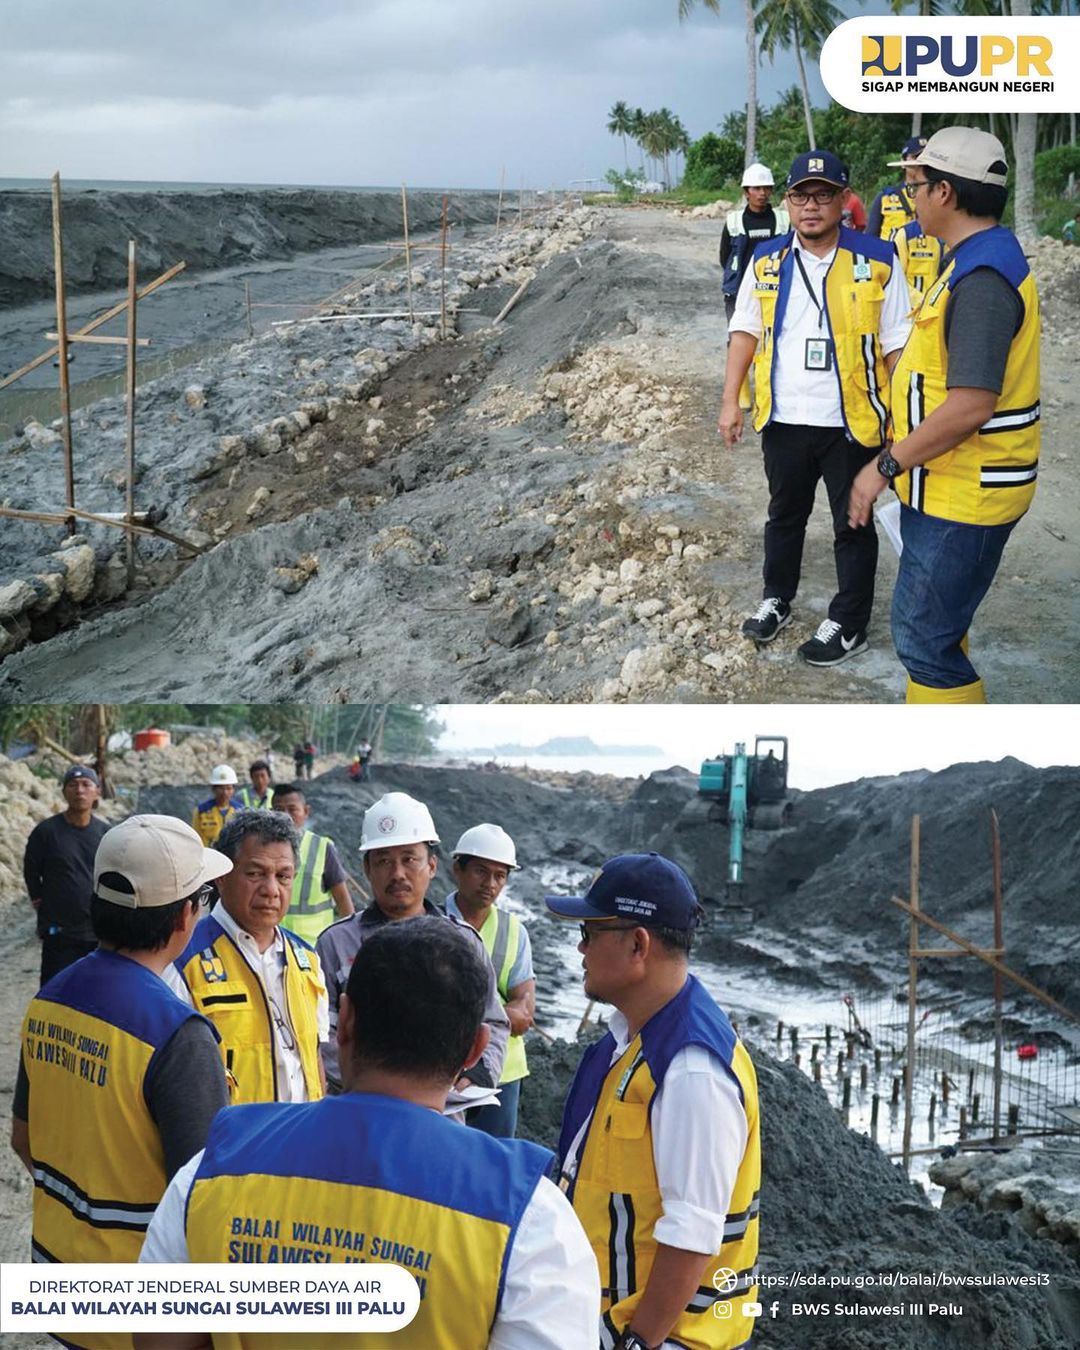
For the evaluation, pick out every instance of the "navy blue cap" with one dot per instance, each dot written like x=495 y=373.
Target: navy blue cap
x=914 y=145
x=821 y=164
x=645 y=887
x=81 y=771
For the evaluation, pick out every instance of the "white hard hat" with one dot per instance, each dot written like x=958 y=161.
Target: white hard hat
x=757 y=175
x=222 y=773
x=396 y=818
x=487 y=841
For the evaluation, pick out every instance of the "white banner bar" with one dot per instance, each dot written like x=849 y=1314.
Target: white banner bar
x=337 y=1297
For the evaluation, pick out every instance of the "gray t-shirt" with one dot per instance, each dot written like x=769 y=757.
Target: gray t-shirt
x=185 y=1092
x=982 y=317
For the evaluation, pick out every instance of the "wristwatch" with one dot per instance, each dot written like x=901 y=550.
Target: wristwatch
x=887 y=466
x=630 y=1340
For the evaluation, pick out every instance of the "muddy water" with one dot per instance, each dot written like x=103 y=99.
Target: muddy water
x=188 y=319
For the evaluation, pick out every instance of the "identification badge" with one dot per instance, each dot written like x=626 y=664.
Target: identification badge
x=818 y=354
x=861 y=271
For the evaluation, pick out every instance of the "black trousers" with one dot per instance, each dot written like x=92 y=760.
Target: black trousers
x=795 y=459
x=58 y=952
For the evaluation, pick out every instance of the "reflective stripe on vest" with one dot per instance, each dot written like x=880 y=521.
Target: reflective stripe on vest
x=501 y=935
x=367 y=1178
x=989 y=478
x=311 y=909
x=89 y=1043
x=854 y=294
x=225 y=988
x=616 y=1194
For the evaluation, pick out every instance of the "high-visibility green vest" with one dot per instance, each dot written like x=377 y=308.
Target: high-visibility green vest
x=253 y=802
x=501 y=935
x=311 y=909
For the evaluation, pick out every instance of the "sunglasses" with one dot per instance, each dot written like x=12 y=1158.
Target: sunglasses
x=204 y=895
x=591 y=930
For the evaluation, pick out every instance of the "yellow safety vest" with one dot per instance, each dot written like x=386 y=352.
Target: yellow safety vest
x=501 y=935
x=989 y=478
x=311 y=909
x=89 y=1040
x=897 y=209
x=367 y=1178
x=920 y=258
x=616 y=1194
x=227 y=991
x=208 y=820
x=854 y=294
x=251 y=802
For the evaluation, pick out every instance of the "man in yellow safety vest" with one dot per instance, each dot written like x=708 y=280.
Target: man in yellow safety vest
x=257 y=797
x=320 y=891
x=210 y=816
x=660 y=1148
x=483 y=860
x=966 y=410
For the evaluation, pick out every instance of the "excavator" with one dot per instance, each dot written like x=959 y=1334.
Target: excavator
x=749 y=792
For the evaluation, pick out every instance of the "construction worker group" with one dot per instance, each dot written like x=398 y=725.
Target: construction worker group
x=902 y=357
x=340 y=1073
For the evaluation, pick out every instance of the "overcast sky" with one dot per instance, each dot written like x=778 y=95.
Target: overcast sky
x=826 y=744
x=361 y=92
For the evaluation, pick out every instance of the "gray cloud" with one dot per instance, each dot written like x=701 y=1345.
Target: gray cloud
x=431 y=92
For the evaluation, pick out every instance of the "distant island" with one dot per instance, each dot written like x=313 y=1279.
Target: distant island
x=568 y=745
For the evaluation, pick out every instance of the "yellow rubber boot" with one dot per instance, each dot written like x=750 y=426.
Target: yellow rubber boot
x=966 y=693
x=744 y=393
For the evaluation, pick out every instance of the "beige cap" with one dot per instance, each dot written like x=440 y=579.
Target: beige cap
x=162 y=858
x=967 y=153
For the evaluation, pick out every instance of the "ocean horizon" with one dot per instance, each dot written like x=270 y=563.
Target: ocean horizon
x=150 y=185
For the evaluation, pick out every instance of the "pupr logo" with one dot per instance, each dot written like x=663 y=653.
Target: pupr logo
x=915 y=54
x=881 y=55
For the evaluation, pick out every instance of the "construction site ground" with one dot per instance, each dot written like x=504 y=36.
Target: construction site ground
x=538 y=511
x=833 y=1204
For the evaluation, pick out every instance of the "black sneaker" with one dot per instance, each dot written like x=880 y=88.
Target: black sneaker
x=830 y=645
x=767 y=620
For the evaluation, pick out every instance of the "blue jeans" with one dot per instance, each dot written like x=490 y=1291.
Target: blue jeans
x=945 y=570
x=501 y=1120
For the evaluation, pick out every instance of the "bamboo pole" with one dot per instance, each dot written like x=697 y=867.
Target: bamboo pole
x=585 y=1019
x=442 y=271
x=130 y=471
x=94 y=324
x=101 y=341
x=62 y=347
x=995 y=853
x=115 y=522
x=408 y=251
x=512 y=301
x=498 y=213
x=990 y=961
x=913 y=979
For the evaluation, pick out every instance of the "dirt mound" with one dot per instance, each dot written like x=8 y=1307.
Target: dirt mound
x=168 y=226
x=834 y=1208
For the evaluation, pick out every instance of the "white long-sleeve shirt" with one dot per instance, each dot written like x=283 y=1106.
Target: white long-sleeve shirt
x=551 y=1298
x=811 y=398
x=699 y=1135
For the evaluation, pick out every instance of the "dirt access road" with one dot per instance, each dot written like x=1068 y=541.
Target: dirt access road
x=544 y=512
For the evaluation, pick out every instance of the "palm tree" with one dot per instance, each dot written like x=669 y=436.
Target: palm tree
x=621 y=124
x=637 y=130
x=1025 y=135
x=685 y=7
x=802 y=25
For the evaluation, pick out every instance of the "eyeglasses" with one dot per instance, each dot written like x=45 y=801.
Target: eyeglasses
x=591 y=930
x=913 y=185
x=205 y=895
x=822 y=196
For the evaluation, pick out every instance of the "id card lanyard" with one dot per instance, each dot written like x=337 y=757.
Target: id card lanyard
x=818 y=350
